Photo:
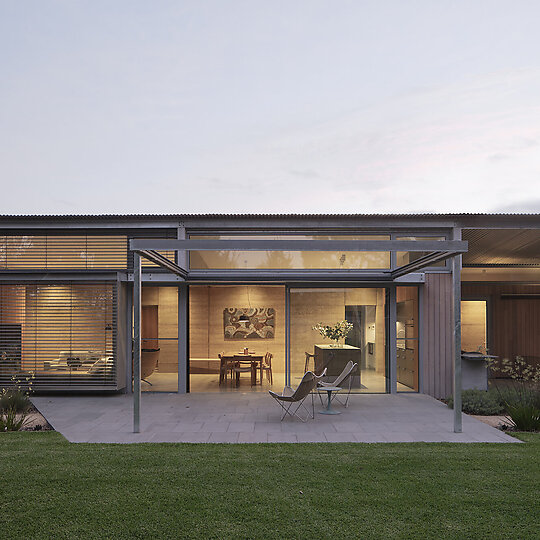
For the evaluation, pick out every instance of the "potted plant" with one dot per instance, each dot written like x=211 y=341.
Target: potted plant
x=336 y=333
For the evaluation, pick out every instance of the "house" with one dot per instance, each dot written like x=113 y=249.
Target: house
x=197 y=287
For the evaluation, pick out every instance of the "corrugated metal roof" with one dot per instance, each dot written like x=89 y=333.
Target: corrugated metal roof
x=502 y=246
x=267 y=215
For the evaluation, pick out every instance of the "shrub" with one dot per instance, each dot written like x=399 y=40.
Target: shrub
x=14 y=398
x=522 y=399
x=15 y=404
x=524 y=417
x=479 y=402
x=11 y=420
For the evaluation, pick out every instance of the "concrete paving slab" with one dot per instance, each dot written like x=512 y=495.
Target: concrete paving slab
x=255 y=418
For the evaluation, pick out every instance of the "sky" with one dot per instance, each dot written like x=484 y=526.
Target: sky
x=338 y=106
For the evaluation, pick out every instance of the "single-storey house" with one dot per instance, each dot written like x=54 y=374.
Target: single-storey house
x=87 y=301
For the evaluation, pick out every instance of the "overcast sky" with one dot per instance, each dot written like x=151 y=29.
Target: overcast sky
x=269 y=106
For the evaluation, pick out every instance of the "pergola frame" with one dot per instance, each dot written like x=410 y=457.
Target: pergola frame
x=438 y=250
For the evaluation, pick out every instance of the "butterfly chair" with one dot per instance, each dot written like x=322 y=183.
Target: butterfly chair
x=291 y=400
x=342 y=379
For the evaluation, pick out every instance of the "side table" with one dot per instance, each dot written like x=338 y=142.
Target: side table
x=329 y=389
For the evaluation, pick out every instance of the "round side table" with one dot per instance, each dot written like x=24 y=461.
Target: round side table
x=329 y=409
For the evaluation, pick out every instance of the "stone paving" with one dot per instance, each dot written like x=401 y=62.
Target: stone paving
x=255 y=418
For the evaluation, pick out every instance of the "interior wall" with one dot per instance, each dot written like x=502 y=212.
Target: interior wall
x=166 y=298
x=328 y=307
x=206 y=320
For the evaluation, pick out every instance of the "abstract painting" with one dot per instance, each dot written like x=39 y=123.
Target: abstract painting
x=249 y=323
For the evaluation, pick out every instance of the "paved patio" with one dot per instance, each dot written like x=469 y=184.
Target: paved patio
x=254 y=418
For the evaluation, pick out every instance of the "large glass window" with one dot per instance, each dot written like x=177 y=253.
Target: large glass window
x=294 y=260
x=159 y=339
x=62 y=334
x=364 y=308
x=406 y=257
x=236 y=338
x=474 y=326
x=407 y=339
x=63 y=252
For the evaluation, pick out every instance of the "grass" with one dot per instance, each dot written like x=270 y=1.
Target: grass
x=50 y=488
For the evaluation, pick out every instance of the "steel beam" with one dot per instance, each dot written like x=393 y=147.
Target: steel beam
x=137 y=290
x=163 y=262
x=422 y=262
x=297 y=245
x=288 y=275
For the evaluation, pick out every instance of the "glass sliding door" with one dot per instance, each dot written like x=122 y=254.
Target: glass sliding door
x=236 y=338
x=159 y=339
x=364 y=308
x=407 y=339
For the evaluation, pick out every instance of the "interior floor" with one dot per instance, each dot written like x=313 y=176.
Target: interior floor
x=168 y=382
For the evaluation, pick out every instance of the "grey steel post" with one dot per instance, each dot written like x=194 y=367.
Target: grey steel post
x=129 y=340
x=392 y=340
x=183 y=314
x=456 y=308
x=136 y=342
x=287 y=336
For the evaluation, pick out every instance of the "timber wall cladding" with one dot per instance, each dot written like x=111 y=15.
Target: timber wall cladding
x=206 y=305
x=513 y=323
x=437 y=335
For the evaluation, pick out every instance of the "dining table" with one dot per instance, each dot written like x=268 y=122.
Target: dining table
x=251 y=358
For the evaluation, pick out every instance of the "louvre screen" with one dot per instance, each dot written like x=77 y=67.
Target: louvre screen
x=63 y=336
x=50 y=252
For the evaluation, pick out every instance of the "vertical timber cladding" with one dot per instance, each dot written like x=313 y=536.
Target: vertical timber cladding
x=514 y=319
x=437 y=335
x=62 y=334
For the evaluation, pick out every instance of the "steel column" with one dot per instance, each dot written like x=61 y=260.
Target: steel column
x=136 y=342
x=287 y=335
x=129 y=339
x=183 y=345
x=392 y=339
x=456 y=309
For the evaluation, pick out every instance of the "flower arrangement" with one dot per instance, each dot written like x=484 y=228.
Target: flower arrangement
x=336 y=332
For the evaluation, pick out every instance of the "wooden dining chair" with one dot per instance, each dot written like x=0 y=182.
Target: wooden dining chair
x=226 y=364
x=240 y=362
x=266 y=366
x=308 y=357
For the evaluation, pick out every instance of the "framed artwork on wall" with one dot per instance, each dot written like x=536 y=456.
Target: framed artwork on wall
x=249 y=323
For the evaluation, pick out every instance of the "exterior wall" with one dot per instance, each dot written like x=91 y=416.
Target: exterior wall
x=437 y=335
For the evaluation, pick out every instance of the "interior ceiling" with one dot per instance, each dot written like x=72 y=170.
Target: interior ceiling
x=502 y=246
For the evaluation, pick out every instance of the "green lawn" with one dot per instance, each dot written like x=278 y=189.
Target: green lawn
x=52 y=489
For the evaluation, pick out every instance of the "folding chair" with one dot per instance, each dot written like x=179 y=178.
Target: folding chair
x=291 y=400
x=347 y=372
